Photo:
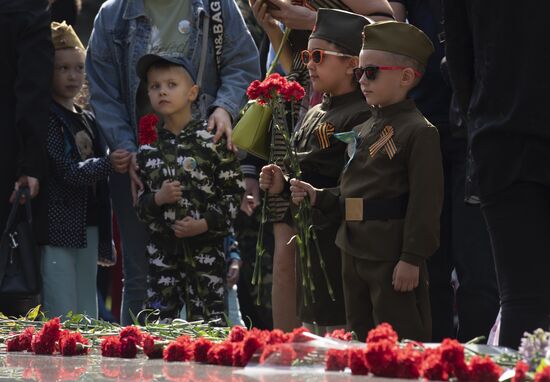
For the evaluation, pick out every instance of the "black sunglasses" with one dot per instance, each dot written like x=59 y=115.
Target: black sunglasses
x=371 y=71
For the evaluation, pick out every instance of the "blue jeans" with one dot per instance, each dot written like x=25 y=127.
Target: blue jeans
x=69 y=278
x=134 y=238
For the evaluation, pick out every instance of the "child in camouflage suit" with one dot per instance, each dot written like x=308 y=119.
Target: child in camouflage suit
x=192 y=192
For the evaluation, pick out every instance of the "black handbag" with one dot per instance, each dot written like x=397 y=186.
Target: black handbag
x=19 y=253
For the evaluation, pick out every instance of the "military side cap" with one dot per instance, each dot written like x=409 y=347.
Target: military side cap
x=341 y=28
x=399 y=38
x=64 y=36
x=145 y=62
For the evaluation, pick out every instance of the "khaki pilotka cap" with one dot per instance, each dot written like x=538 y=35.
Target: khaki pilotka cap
x=399 y=38
x=341 y=28
x=64 y=36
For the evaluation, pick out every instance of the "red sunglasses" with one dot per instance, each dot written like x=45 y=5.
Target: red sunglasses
x=317 y=55
x=371 y=71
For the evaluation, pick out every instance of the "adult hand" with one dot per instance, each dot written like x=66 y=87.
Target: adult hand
x=272 y=179
x=189 y=227
x=233 y=273
x=405 y=277
x=261 y=13
x=251 y=197
x=135 y=182
x=120 y=160
x=25 y=181
x=299 y=190
x=293 y=16
x=169 y=193
x=221 y=120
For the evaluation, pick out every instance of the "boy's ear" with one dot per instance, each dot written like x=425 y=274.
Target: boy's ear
x=408 y=77
x=194 y=93
x=352 y=64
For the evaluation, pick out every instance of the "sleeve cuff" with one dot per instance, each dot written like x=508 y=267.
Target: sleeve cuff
x=152 y=208
x=249 y=171
x=412 y=259
x=127 y=145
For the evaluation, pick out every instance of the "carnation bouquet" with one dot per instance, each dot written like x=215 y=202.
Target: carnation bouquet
x=276 y=91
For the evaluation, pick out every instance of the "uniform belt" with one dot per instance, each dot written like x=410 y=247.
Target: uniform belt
x=375 y=209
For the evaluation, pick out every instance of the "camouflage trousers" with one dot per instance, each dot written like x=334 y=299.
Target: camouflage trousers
x=187 y=274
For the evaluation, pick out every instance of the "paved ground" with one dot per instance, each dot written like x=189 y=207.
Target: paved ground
x=29 y=367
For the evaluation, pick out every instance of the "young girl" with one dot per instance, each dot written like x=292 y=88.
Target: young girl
x=332 y=54
x=78 y=207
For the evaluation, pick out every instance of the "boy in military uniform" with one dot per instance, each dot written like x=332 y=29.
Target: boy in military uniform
x=331 y=57
x=391 y=193
x=192 y=191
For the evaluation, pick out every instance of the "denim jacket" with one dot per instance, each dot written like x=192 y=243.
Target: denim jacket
x=122 y=34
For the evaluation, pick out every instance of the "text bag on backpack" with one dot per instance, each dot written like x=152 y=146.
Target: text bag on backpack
x=19 y=253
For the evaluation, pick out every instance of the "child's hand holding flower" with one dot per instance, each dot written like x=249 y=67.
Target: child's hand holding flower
x=169 y=193
x=189 y=227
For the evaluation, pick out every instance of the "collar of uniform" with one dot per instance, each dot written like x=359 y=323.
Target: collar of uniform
x=335 y=101
x=188 y=130
x=387 y=111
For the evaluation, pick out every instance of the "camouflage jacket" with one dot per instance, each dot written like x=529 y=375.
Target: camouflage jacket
x=209 y=174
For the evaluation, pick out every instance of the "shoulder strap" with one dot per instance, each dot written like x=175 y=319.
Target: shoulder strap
x=213 y=24
x=23 y=191
x=216 y=16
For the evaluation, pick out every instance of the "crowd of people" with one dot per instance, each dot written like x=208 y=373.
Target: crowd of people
x=421 y=144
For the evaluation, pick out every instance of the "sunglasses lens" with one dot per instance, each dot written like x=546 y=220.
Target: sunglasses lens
x=317 y=56
x=370 y=72
x=358 y=73
x=305 y=57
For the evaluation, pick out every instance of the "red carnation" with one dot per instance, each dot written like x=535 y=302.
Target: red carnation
x=382 y=332
x=433 y=368
x=178 y=351
x=253 y=91
x=132 y=331
x=152 y=349
x=336 y=360
x=200 y=349
x=221 y=354
x=452 y=351
x=237 y=334
x=381 y=358
x=356 y=361
x=340 y=334
x=274 y=84
x=13 y=344
x=280 y=354
x=148 y=129
x=483 y=369
x=409 y=363
x=293 y=92
x=44 y=342
x=110 y=347
x=521 y=372
x=25 y=339
x=543 y=376
x=277 y=336
x=128 y=347
x=297 y=335
x=71 y=343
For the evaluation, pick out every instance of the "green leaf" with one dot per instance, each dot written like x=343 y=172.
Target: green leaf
x=33 y=313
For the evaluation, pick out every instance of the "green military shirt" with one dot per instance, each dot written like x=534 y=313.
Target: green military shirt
x=415 y=170
x=322 y=157
x=210 y=176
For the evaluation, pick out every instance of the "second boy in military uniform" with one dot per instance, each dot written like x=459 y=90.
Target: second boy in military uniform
x=391 y=192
